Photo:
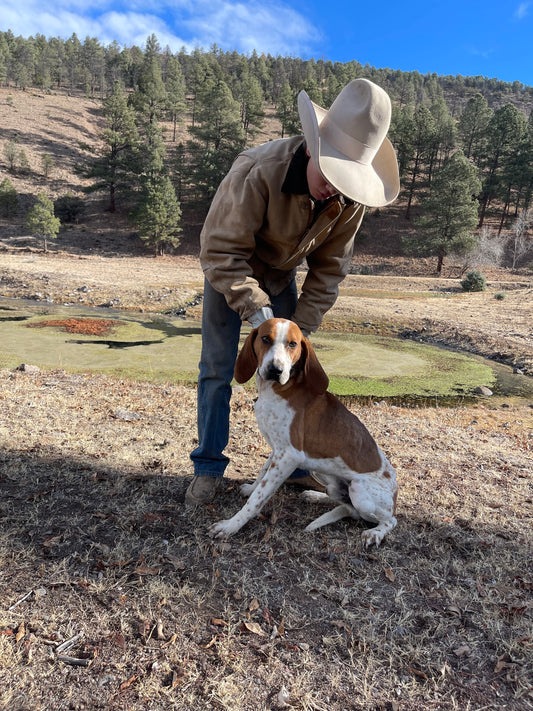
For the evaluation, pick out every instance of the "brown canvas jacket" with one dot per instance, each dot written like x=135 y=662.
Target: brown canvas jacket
x=255 y=235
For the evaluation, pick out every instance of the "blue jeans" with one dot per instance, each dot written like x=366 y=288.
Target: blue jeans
x=221 y=328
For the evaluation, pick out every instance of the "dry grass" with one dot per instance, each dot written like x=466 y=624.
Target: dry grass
x=93 y=473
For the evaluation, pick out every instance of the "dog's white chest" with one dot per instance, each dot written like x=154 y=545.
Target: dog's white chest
x=274 y=417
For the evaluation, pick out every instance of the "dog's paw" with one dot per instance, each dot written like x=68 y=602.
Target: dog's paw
x=220 y=530
x=246 y=489
x=312 y=496
x=372 y=537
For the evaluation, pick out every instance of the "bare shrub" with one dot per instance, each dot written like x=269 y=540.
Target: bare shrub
x=519 y=242
x=488 y=252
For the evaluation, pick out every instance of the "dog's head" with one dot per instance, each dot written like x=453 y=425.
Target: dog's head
x=278 y=350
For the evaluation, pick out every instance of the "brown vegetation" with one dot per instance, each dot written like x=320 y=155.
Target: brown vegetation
x=94 y=528
x=82 y=326
x=97 y=548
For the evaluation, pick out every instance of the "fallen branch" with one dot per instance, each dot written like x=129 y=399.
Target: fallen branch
x=19 y=601
x=75 y=661
x=69 y=643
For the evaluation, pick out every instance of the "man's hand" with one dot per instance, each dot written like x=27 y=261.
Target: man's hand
x=260 y=316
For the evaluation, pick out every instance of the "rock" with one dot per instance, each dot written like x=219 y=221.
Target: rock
x=126 y=415
x=482 y=390
x=30 y=369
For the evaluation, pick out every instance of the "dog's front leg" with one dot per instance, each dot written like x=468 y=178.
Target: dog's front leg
x=246 y=489
x=279 y=470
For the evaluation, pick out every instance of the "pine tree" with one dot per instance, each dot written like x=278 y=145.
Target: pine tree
x=218 y=136
x=47 y=163
x=11 y=154
x=93 y=65
x=8 y=198
x=158 y=215
x=505 y=133
x=423 y=136
x=402 y=130
x=116 y=166
x=175 y=86
x=472 y=126
x=252 y=105
x=449 y=213
x=41 y=221
x=178 y=170
x=72 y=60
x=150 y=99
x=287 y=111
x=444 y=137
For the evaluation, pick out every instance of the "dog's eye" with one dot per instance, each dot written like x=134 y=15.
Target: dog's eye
x=266 y=339
x=292 y=344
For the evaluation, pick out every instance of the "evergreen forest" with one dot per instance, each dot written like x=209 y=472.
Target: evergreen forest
x=174 y=122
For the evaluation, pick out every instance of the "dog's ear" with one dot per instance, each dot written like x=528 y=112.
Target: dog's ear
x=246 y=363
x=315 y=376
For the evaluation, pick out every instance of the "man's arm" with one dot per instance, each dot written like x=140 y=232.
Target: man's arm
x=228 y=239
x=328 y=265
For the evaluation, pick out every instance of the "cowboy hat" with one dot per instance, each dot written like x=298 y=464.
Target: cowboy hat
x=348 y=143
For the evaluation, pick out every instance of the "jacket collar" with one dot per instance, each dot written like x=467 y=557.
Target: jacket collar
x=295 y=181
x=296 y=177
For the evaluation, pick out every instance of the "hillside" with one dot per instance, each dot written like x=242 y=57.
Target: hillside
x=58 y=125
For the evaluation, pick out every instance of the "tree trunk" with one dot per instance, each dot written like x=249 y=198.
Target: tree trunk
x=412 y=188
x=505 y=210
x=112 y=204
x=440 y=261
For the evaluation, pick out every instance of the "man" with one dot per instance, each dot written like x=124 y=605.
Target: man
x=283 y=202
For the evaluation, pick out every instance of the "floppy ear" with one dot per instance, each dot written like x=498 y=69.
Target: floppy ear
x=315 y=376
x=246 y=363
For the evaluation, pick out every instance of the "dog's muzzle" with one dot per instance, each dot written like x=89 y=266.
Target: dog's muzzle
x=273 y=372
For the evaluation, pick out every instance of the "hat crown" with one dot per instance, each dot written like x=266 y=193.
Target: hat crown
x=349 y=144
x=358 y=120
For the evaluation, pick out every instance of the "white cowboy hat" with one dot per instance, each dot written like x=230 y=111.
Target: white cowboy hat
x=348 y=143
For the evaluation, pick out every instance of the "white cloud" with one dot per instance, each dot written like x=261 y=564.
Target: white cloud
x=477 y=52
x=269 y=27
x=273 y=28
x=522 y=10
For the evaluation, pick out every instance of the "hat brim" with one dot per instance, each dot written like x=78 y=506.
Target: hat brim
x=374 y=184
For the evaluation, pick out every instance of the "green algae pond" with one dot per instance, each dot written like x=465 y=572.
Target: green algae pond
x=166 y=348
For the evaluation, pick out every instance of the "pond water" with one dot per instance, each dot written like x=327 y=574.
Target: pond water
x=167 y=348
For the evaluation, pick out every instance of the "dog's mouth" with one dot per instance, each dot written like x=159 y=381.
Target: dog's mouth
x=275 y=373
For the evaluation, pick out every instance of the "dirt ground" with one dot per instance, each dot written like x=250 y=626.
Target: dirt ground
x=425 y=308
x=98 y=552
x=96 y=548
x=112 y=594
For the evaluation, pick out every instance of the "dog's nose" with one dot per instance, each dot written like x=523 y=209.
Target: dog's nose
x=273 y=372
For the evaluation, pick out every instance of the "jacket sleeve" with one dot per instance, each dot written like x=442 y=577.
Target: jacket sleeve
x=228 y=238
x=328 y=265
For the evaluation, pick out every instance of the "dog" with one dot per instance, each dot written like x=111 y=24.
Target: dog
x=309 y=428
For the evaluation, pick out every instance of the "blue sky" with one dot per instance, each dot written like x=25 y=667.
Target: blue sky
x=488 y=38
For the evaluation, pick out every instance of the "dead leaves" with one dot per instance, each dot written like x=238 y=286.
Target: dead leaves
x=146 y=570
x=418 y=673
x=268 y=628
x=389 y=574
x=462 y=651
x=253 y=627
x=20 y=632
x=127 y=684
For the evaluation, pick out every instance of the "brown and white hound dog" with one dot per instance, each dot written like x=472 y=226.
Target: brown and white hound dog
x=309 y=428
